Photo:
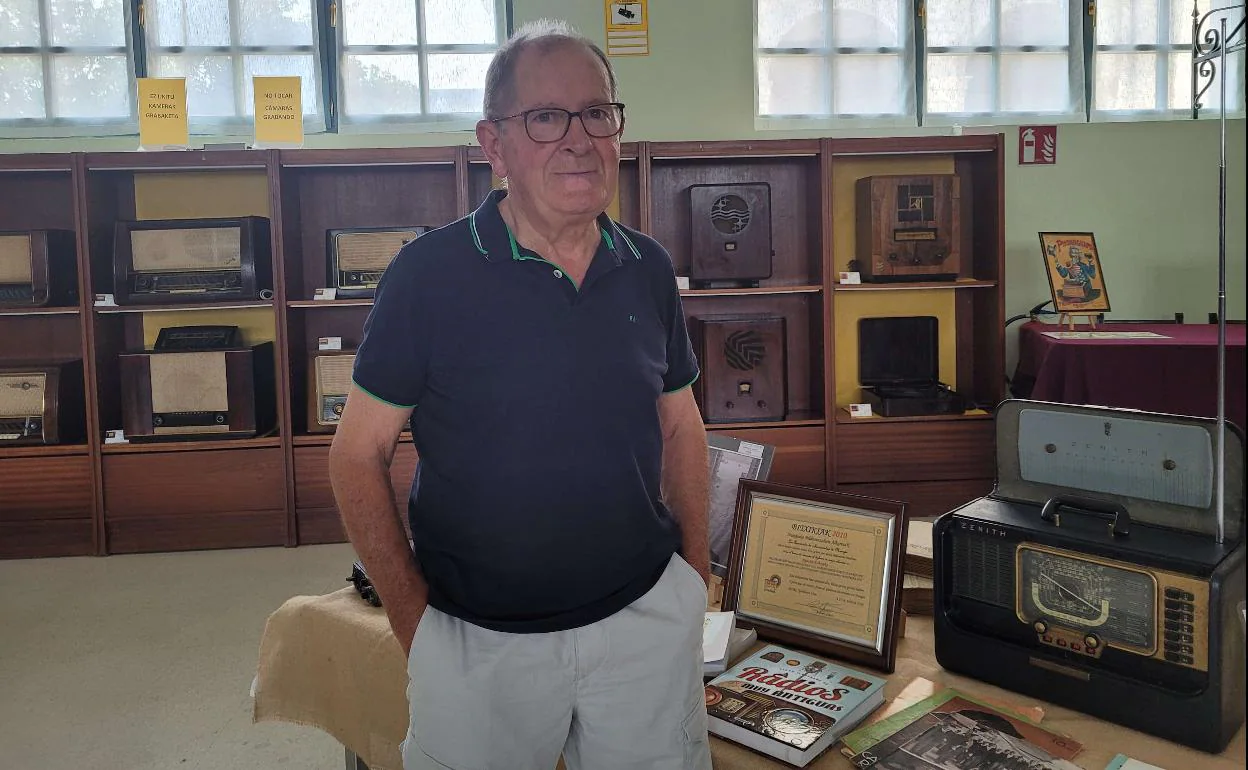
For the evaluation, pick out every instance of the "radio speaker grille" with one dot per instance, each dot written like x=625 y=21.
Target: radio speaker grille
x=203 y=248
x=371 y=251
x=15 y=259
x=333 y=374
x=189 y=382
x=983 y=570
x=21 y=395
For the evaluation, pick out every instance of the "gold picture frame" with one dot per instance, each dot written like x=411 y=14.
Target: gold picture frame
x=819 y=570
x=1073 y=267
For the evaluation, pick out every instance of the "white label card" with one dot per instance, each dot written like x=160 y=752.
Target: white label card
x=752 y=450
x=850 y=278
x=329 y=343
x=859 y=410
x=326 y=294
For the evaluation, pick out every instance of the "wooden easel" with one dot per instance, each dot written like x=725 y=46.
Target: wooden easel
x=1068 y=319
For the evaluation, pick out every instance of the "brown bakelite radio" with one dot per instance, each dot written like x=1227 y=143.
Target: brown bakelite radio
x=193 y=389
x=743 y=367
x=175 y=261
x=329 y=379
x=359 y=256
x=909 y=228
x=38 y=268
x=41 y=403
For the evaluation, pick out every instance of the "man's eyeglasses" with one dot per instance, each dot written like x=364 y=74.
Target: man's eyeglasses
x=550 y=124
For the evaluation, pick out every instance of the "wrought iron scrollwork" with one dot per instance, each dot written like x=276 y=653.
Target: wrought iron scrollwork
x=1211 y=43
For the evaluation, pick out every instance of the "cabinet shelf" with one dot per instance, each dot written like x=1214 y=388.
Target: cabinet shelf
x=149 y=447
x=843 y=418
x=793 y=420
x=314 y=303
x=961 y=283
x=174 y=308
x=762 y=291
x=30 y=311
x=43 y=450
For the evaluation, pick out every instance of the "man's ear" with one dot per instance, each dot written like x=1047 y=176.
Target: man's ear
x=490 y=137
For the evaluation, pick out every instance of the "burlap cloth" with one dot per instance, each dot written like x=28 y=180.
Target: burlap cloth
x=331 y=662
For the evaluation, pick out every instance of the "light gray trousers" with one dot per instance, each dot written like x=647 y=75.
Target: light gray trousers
x=624 y=693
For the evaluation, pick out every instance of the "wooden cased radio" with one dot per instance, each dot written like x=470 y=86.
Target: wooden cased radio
x=357 y=257
x=178 y=261
x=1093 y=575
x=191 y=389
x=743 y=367
x=730 y=228
x=42 y=403
x=38 y=268
x=909 y=228
x=329 y=381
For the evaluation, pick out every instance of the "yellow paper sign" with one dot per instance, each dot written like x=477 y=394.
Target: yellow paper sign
x=279 y=111
x=162 y=113
x=628 y=27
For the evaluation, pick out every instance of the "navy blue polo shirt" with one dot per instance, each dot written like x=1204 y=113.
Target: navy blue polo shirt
x=536 y=503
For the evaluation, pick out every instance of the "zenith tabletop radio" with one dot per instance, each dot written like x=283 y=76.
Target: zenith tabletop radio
x=42 y=403
x=730 y=228
x=899 y=367
x=1104 y=572
x=744 y=367
x=329 y=380
x=198 y=382
x=176 y=261
x=38 y=268
x=357 y=257
x=909 y=228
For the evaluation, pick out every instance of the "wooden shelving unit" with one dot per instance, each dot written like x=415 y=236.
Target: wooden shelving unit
x=88 y=497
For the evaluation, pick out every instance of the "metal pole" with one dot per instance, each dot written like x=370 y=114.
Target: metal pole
x=1221 y=454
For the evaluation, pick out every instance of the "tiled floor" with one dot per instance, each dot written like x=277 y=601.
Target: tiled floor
x=145 y=662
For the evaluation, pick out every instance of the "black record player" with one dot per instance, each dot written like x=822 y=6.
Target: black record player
x=899 y=368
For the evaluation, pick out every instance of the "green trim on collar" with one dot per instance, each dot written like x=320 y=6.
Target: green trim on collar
x=476 y=237
x=631 y=245
x=606 y=236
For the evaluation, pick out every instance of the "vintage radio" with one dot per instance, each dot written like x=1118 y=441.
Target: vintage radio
x=358 y=256
x=38 y=268
x=198 y=383
x=41 y=403
x=329 y=380
x=899 y=367
x=730 y=225
x=1093 y=575
x=909 y=228
x=744 y=367
x=174 y=261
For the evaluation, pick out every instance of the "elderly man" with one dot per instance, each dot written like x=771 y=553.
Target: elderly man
x=538 y=349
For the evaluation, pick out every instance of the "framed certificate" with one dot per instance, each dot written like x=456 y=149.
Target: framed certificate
x=819 y=570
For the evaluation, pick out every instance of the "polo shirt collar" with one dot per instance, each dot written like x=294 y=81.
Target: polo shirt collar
x=494 y=240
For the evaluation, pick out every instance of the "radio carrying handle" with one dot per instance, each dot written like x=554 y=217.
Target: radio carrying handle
x=1120 y=527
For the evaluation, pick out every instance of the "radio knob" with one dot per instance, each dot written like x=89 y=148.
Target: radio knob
x=730 y=405
x=158 y=421
x=892 y=257
x=1041 y=627
x=338 y=409
x=143 y=282
x=220 y=419
x=1091 y=641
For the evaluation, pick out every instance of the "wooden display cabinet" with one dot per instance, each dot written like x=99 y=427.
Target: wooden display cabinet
x=47 y=506
x=94 y=497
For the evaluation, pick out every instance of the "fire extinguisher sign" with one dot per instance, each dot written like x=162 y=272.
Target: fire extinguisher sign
x=1037 y=145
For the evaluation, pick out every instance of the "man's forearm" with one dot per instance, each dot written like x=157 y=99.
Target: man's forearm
x=366 y=503
x=686 y=491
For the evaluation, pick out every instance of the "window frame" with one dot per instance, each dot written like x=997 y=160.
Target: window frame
x=1076 y=71
x=1162 y=53
x=424 y=121
x=241 y=124
x=790 y=121
x=51 y=127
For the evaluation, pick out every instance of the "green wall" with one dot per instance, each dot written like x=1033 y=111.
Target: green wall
x=1148 y=190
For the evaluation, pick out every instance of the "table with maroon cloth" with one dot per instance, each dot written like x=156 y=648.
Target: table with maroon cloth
x=1176 y=374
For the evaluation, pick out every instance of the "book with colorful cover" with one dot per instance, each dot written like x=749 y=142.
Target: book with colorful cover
x=951 y=729
x=789 y=704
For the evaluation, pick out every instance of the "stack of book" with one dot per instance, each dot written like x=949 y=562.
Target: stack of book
x=789 y=704
x=722 y=642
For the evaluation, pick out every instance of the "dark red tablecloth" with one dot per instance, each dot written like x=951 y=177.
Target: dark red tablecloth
x=1177 y=375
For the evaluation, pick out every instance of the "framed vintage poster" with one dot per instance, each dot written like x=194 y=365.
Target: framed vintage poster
x=819 y=570
x=1073 y=266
